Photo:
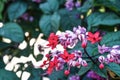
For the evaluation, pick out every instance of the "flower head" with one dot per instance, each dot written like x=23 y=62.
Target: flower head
x=68 y=39
x=53 y=40
x=102 y=49
x=94 y=37
x=53 y=64
x=67 y=57
x=78 y=4
x=69 y=5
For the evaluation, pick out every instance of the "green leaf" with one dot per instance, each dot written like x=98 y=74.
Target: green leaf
x=2 y=64
x=57 y=75
x=55 y=21
x=7 y=75
x=109 y=38
x=4 y=45
x=12 y=31
x=1 y=9
x=96 y=19
x=114 y=67
x=49 y=6
x=86 y=6
x=100 y=72
x=16 y=9
x=45 y=24
x=69 y=19
x=45 y=8
x=49 y=23
x=35 y=74
x=54 y=5
x=1 y=6
x=83 y=70
x=111 y=4
x=39 y=57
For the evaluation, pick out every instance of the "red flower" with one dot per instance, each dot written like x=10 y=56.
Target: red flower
x=94 y=37
x=67 y=56
x=52 y=65
x=53 y=40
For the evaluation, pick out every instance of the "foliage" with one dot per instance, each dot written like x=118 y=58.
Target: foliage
x=47 y=16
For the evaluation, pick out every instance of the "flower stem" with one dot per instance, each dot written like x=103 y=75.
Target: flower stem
x=89 y=56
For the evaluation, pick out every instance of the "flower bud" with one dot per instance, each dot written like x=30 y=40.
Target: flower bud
x=101 y=59
x=101 y=66
x=84 y=43
x=84 y=63
x=66 y=72
x=110 y=58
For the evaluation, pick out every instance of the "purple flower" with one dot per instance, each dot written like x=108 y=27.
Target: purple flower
x=25 y=16
x=55 y=52
x=68 y=39
x=101 y=59
x=102 y=49
x=115 y=54
x=77 y=53
x=92 y=74
x=115 y=50
x=31 y=18
x=79 y=30
x=77 y=4
x=69 y=5
x=74 y=77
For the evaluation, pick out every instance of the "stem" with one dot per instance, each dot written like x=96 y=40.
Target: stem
x=89 y=56
x=93 y=61
x=92 y=56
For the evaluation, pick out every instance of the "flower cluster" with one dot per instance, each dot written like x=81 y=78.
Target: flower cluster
x=57 y=58
x=70 y=4
x=113 y=54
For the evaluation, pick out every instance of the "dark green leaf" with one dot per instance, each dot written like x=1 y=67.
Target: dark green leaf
x=39 y=57
x=45 y=24
x=49 y=6
x=114 y=67
x=4 y=45
x=1 y=9
x=25 y=52
x=56 y=75
x=55 y=21
x=86 y=6
x=16 y=9
x=45 y=7
x=110 y=38
x=49 y=23
x=35 y=74
x=83 y=70
x=54 y=4
x=12 y=31
x=111 y=4
x=96 y=19
x=100 y=72
x=2 y=64
x=69 y=19
x=7 y=75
